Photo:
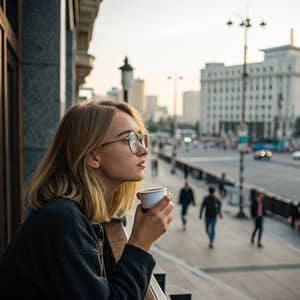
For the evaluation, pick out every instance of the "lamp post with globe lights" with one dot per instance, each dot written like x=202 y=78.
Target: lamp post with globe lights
x=243 y=128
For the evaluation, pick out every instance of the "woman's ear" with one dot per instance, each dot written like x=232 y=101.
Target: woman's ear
x=93 y=160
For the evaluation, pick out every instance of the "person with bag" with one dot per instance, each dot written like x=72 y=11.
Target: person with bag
x=89 y=176
x=212 y=206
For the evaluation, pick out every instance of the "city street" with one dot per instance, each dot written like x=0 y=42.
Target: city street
x=281 y=175
x=234 y=269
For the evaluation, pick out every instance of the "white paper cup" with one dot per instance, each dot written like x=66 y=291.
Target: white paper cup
x=149 y=197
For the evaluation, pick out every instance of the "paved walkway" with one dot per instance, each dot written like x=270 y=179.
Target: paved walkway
x=234 y=269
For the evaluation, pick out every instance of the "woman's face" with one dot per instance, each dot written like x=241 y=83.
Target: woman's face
x=117 y=162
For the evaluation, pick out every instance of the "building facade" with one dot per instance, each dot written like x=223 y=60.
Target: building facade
x=191 y=107
x=150 y=107
x=136 y=95
x=43 y=60
x=272 y=95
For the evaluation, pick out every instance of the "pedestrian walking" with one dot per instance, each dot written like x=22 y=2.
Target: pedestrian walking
x=186 y=198
x=89 y=175
x=154 y=166
x=257 y=213
x=186 y=171
x=212 y=206
x=222 y=186
x=294 y=214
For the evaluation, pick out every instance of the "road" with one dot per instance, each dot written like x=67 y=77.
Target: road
x=281 y=175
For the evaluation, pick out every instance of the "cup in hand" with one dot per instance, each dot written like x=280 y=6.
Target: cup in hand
x=149 y=197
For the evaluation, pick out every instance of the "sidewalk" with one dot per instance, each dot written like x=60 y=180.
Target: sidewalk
x=234 y=269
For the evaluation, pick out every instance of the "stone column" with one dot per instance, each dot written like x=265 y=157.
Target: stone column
x=43 y=74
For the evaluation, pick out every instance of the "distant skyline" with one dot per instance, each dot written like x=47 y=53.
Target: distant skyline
x=161 y=38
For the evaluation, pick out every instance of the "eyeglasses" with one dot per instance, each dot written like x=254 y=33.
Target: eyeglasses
x=137 y=142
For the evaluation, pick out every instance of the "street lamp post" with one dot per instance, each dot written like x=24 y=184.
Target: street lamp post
x=126 y=78
x=174 y=151
x=246 y=24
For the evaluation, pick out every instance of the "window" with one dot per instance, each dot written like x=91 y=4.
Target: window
x=270 y=97
x=271 y=68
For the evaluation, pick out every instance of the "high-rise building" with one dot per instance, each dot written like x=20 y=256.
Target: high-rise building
x=137 y=95
x=191 y=107
x=272 y=95
x=151 y=106
x=161 y=113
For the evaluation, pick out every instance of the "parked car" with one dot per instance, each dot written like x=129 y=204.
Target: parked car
x=263 y=154
x=296 y=155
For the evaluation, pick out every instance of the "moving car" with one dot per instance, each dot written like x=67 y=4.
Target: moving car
x=296 y=155
x=263 y=154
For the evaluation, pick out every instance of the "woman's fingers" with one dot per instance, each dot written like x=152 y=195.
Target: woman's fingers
x=162 y=203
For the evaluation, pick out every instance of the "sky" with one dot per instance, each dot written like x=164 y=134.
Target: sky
x=166 y=37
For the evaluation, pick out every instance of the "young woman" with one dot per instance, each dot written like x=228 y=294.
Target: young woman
x=89 y=175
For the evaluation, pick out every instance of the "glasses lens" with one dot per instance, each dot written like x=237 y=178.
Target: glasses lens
x=135 y=142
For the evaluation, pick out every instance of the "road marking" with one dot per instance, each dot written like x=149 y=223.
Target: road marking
x=199 y=273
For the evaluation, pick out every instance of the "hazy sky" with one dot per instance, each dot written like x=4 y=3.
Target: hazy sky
x=163 y=37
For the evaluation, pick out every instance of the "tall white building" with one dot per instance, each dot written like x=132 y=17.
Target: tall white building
x=161 y=113
x=136 y=95
x=191 y=107
x=150 y=107
x=272 y=95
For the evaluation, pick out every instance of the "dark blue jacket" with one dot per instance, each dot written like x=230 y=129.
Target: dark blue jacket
x=55 y=255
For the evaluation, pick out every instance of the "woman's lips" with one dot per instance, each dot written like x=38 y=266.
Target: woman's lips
x=142 y=163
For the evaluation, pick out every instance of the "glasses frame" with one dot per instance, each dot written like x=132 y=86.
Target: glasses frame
x=142 y=139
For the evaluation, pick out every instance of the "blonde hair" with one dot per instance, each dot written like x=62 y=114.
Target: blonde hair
x=64 y=172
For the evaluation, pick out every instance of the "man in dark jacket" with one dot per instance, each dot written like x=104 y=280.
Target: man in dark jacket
x=257 y=213
x=186 y=198
x=212 y=206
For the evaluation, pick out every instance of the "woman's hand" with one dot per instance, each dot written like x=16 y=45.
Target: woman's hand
x=149 y=226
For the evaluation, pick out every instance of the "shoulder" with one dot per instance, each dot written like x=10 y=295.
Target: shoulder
x=62 y=223
x=60 y=209
x=60 y=215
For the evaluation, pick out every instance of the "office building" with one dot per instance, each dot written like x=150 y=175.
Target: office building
x=191 y=107
x=272 y=95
